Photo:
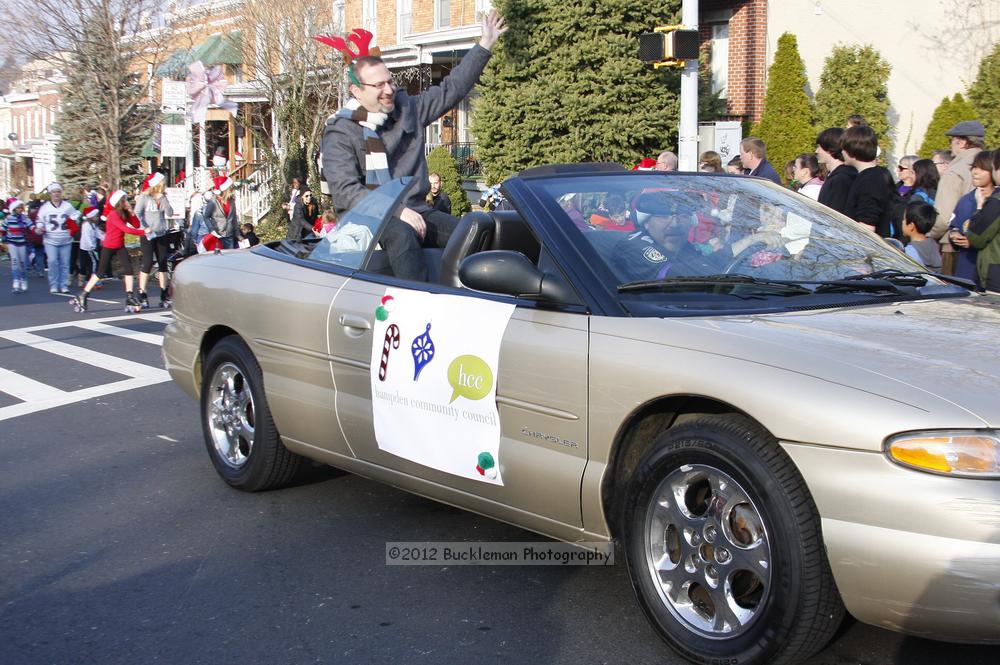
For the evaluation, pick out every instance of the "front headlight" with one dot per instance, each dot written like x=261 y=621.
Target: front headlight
x=968 y=453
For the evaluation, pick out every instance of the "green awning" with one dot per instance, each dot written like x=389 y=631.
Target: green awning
x=152 y=146
x=220 y=50
x=175 y=65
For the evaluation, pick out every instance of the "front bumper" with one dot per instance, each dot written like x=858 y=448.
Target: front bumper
x=912 y=552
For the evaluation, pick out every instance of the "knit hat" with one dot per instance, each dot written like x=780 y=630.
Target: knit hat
x=152 y=180
x=54 y=187
x=222 y=183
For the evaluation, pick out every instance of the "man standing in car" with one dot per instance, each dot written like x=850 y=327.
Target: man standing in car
x=379 y=135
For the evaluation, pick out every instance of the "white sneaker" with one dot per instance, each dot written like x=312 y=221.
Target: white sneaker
x=64 y=290
x=24 y=285
x=53 y=290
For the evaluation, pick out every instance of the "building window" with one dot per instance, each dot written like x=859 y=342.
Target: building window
x=442 y=13
x=720 y=58
x=404 y=19
x=483 y=8
x=369 y=18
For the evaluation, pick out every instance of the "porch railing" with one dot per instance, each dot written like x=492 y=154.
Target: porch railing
x=464 y=155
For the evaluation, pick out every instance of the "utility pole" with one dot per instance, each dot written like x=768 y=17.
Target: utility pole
x=687 y=136
x=677 y=46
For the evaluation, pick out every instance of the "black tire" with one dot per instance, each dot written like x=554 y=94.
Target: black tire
x=239 y=432
x=695 y=563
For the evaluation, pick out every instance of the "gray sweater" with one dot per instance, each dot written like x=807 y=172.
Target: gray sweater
x=404 y=136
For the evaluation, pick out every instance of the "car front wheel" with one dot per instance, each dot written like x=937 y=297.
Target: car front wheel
x=724 y=547
x=239 y=433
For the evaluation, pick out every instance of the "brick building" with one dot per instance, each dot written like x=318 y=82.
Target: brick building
x=27 y=135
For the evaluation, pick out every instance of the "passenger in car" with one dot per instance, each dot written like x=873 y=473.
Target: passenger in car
x=380 y=134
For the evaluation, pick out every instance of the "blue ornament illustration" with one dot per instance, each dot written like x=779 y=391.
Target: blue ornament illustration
x=423 y=351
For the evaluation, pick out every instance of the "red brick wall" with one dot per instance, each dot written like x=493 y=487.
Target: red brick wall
x=747 y=53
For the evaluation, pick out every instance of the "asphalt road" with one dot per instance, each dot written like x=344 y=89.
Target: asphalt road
x=119 y=544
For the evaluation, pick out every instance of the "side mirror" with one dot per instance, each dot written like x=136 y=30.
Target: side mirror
x=511 y=273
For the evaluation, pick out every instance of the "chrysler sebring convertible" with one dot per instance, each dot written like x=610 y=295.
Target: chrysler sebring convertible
x=777 y=416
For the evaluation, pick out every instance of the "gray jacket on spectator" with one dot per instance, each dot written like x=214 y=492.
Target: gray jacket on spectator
x=343 y=149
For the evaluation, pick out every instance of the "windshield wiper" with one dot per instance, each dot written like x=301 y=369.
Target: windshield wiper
x=898 y=277
x=733 y=280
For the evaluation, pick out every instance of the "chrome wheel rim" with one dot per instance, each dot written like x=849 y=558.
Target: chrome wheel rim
x=231 y=414
x=707 y=551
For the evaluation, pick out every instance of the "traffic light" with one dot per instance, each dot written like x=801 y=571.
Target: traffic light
x=668 y=45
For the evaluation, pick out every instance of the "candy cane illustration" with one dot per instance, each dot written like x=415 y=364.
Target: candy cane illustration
x=391 y=337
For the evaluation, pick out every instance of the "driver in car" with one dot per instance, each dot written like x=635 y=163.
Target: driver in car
x=661 y=247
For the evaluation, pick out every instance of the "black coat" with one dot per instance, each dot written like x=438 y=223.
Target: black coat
x=303 y=218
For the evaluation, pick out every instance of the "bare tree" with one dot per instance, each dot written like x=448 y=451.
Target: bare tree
x=302 y=79
x=107 y=48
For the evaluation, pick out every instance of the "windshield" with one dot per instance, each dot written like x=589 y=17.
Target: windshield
x=662 y=227
x=349 y=241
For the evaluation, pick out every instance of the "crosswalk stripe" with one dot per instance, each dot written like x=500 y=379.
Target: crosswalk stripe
x=97 y=326
x=155 y=317
x=24 y=408
x=27 y=389
x=86 y=356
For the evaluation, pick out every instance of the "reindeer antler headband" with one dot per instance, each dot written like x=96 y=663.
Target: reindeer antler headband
x=361 y=39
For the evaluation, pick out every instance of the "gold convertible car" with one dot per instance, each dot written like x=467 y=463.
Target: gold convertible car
x=778 y=416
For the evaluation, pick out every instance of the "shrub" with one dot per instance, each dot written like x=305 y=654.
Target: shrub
x=565 y=85
x=948 y=113
x=786 y=125
x=855 y=80
x=984 y=93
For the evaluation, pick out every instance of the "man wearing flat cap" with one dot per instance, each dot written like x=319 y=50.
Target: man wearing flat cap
x=966 y=142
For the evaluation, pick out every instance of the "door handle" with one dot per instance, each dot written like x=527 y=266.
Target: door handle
x=356 y=322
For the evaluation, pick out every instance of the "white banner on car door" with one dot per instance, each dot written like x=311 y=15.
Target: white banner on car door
x=433 y=373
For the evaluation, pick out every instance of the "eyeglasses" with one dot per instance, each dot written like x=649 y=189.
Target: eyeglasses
x=382 y=84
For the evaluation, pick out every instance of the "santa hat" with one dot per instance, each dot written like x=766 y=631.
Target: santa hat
x=180 y=177
x=90 y=212
x=112 y=201
x=14 y=204
x=222 y=183
x=152 y=180
x=647 y=164
x=209 y=243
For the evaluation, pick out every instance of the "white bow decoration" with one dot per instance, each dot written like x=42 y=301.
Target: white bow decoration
x=205 y=88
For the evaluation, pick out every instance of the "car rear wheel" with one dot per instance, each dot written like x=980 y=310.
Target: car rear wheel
x=239 y=432
x=724 y=547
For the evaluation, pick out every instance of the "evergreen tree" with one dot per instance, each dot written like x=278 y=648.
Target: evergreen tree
x=565 y=85
x=82 y=158
x=786 y=125
x=440 y=161
x=948 y=113
x=984 y=93
x=855 y=80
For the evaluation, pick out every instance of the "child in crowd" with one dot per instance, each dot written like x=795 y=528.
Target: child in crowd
x=918 y=220
x=13 y=232
x=90 y=243
x=325 y=223
x=247 y=236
